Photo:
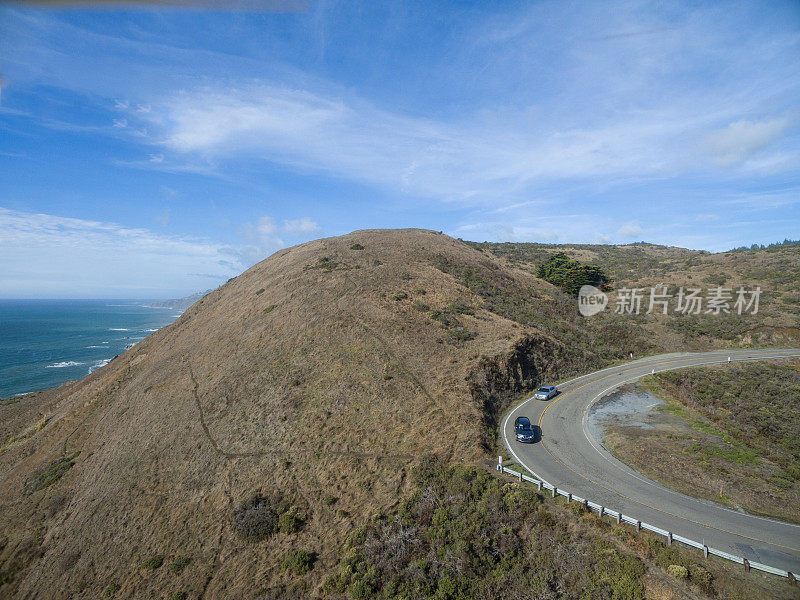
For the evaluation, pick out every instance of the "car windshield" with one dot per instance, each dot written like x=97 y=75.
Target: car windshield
x=525 y=427
x=544 y=389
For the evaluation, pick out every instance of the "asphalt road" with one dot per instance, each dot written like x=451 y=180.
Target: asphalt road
x=568 y=456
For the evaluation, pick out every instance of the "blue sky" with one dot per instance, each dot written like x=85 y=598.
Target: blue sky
x=152 y=153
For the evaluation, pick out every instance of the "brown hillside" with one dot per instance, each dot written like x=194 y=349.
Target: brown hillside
x=319 y=375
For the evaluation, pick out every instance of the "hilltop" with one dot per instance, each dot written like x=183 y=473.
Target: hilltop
x=305 y=389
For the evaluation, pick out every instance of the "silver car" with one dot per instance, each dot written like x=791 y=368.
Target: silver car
x=546 y=392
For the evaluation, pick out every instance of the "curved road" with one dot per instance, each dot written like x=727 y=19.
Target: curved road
x=567 y=456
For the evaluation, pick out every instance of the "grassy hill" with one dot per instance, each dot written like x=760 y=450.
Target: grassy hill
x=775 y=269
x=239 y=449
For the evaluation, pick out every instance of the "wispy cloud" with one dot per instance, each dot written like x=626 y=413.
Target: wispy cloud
x=44 y=254
x=302 y=227
x=742 y=140
x=630 y=230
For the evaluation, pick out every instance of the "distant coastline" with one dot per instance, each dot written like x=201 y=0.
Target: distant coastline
x=180 y=304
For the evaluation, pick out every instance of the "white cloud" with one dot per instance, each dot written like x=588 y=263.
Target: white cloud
x=53 y=256
x=629 y=230
x=302 y=227
x=741 y=140
x=488 y=156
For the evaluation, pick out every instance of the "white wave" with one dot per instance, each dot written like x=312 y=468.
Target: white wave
x=118 y=329
x=98 y=364
x=97 y=346
x=61 y=365
x=153 y=329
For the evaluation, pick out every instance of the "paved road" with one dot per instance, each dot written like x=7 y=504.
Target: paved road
x=570 y=458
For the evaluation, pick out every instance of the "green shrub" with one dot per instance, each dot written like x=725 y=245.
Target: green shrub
x=50 y=473
x=463 y=533
x=577 y=508
x=111 y=590
x=330 y=500
x=177 y=596
x=152 y=563
x=298 y=562
x=356 y=247
x=291 y=521
x=177 y=565
x=702 y=579
x=570 y=274
x=399 y=296
x=678 y=571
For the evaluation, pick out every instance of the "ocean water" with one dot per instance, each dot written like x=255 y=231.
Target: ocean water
x=44 y=343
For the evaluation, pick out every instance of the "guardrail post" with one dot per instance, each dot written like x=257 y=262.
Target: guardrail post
x=538 y=485
x=520 y=476
x=792 y=579
x=601 y=511
x=569 y=497
x=619 y=517
x=705 y=551
x=555 y=490
x=499 y=463
x=638 y=525
x=669 y=538
x=746 y=564
x=586 y=504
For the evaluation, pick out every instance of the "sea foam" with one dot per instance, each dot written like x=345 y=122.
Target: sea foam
x=61 y=365
x=98 y=364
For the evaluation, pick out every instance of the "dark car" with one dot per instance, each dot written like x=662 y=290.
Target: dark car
x=524 y=429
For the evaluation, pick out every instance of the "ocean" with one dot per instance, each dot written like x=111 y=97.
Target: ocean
x=44 y=343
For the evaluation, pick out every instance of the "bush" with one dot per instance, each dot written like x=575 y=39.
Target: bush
x=399 y=296
x=570 y=274
x=330 y=500
x=50 y=473
x=678 y=571
x=463 y=533
x=702 y=579
x=152 y=563
x=111 y=590
x=255 y=519
x=291 y=521
x=298 y=562
x=177 y=565
x=577 y=508
x=356 y=247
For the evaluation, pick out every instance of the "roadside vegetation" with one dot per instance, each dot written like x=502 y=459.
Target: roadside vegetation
x=465 y=533
x=729 y=434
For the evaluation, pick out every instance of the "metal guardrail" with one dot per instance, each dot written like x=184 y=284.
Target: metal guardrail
x=668 y=535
